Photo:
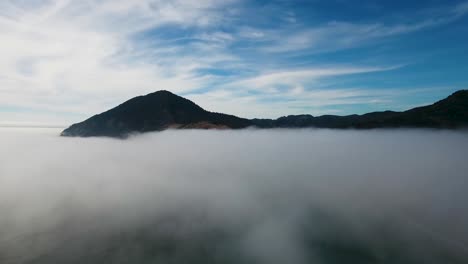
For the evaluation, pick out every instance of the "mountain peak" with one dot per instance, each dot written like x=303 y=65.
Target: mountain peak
x=163 y=109
x=162 y=93
x=152 y=112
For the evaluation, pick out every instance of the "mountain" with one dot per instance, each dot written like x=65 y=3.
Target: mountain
x=154 y=112
x=451 y=112
x=162 y=110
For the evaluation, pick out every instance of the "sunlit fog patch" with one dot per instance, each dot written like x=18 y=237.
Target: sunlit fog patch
x=250 y=196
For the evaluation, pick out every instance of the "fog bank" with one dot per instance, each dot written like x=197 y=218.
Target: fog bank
x=250 y=196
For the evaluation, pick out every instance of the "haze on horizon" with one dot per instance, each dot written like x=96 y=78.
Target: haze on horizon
x=65 y=60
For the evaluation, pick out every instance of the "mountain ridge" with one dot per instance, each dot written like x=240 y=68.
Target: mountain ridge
x=162 y=110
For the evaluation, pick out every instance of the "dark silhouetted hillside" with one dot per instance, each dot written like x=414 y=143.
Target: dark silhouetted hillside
x=162 y=110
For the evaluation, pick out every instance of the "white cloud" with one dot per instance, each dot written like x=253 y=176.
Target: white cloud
x=270 y=81
x=336 y=35
x=461 y=9
x=293 y=101
x=274 y=94
x=72 y=56
x=342 y=35
x=82 y=57
x=315 y=100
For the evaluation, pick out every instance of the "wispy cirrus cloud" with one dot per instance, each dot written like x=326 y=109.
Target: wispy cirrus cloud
x=75 y=58
x=461 y=9
x=295 y=91
x=63 y=55
x=335 y=35
x=293 y=78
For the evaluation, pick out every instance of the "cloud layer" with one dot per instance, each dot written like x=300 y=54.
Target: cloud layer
x=276 y=196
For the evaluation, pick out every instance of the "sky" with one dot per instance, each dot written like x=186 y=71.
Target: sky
x=65 y=60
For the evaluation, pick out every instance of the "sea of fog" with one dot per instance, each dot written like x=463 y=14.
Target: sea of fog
x=249 y=196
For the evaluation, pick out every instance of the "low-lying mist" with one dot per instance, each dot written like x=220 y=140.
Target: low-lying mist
x=250 y=196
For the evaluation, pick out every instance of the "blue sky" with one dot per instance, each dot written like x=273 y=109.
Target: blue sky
x=64 y=60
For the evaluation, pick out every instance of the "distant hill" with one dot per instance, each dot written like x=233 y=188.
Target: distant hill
x=162 y=110
x=154 y=112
